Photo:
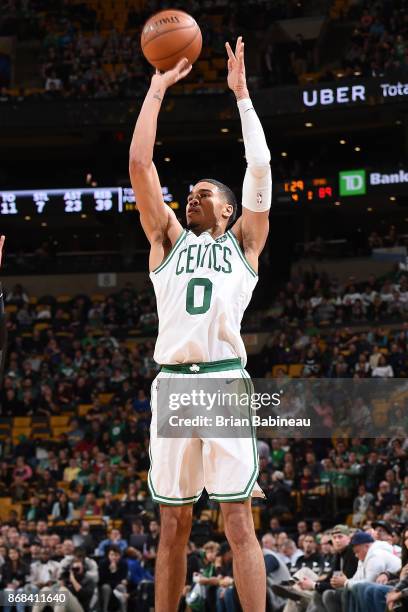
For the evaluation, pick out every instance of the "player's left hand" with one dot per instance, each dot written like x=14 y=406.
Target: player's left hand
x=170 y=77
x=2 y=239
x=236 y=69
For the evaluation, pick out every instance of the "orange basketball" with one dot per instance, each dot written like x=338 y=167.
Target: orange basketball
x=169 y=36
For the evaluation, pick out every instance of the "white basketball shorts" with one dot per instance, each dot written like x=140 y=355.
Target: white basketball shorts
x=182 y=467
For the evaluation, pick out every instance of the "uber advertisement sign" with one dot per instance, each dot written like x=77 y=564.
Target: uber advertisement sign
x=359 y=182
x=354 y=93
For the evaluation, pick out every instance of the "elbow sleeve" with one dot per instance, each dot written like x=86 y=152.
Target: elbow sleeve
x=257 y=188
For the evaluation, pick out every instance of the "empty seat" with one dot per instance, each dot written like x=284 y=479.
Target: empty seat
x=295 y=370
x=21 y=421
x=59 y=421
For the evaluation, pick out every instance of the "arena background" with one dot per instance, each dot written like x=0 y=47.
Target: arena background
x=329 y=80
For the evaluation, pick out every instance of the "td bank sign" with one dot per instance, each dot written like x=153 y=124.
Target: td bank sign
x=355 y=182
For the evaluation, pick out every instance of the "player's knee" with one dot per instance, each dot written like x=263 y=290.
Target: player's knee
x=175 y=524
x=239 y=529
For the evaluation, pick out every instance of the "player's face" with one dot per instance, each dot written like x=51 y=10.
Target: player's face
x=206 y=208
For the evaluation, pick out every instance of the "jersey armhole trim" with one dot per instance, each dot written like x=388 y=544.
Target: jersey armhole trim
x=171 y=253
x=241 y=254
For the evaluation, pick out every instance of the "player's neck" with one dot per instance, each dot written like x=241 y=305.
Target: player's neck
x=215 y=232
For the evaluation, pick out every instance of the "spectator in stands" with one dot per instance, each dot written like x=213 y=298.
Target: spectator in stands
x=75 y=433
x=152 y=544
x=78 y=553
x=17 y=296
x=77 y=588
x=43 y=573
x=208 y=579
x=115 y=539
x=289 y=554
x=83 y=538
x=279 y=494
x=138 y=537
x=19 y=489
x=136 y=571
x=377 y=596
x=361 y=504
x=35 y=512
x=384 y=497
x=110 y=506
x=130 y=504
x=113 y=572
x=63 y=509
x=344 y=560
x=90 y=506
x=22 y=470
x=326 y=546
x=383 y=370
x=14 y=572
x=375 y=558
x=141 y=403
x=310 y=558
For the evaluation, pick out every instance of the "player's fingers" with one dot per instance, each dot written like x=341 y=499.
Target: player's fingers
x=185 y=71
x=181 y=64
x=238 y=44
x=229 y=51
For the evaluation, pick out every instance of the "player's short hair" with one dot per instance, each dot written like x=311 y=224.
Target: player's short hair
x=228 y=194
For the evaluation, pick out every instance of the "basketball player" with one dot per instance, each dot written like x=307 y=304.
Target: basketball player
x=203 y=279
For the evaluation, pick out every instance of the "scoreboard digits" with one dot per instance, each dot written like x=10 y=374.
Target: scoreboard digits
x=40 y=198
x=57 y=201
x=38 y=202
x=73 y=202
x=103 y=200
x=8 y=204
x=308 y=190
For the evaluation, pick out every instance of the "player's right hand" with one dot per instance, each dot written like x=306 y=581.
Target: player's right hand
x=170 y=77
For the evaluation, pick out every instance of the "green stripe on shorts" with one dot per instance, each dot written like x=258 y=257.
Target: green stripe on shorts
x=204 y=367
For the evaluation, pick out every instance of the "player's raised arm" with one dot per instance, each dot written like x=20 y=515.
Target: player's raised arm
x=158 y=220
x=253 y=226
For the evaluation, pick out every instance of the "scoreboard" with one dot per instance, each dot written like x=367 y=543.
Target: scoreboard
x=71 y=201
x=300 y=191
x=43 y=202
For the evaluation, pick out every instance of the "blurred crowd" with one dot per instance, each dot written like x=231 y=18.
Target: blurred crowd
x=84 y=518
x=316 y=300
x=79 y=509
x=92 y=51
x=379 y=40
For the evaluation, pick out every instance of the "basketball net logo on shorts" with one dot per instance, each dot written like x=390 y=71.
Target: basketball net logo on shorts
x=194 y=368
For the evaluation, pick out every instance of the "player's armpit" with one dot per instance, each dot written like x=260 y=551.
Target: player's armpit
x=158 y=220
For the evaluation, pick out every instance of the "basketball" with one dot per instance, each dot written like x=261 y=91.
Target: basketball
x=168 y=36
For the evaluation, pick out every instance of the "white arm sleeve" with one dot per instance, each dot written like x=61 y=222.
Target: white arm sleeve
x=257 y=188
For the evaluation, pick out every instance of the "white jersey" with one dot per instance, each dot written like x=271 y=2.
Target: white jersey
x=202 y=290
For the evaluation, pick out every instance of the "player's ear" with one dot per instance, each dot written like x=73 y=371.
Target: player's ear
x=228 y=211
